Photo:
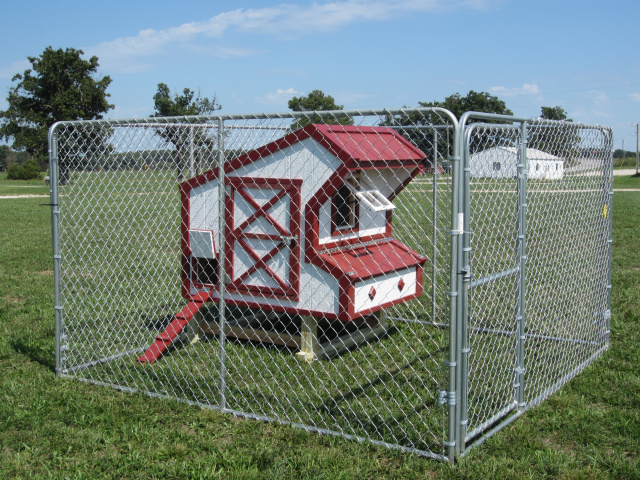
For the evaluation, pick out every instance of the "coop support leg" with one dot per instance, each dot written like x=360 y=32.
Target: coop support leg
x=308 y=339
x=193 y=330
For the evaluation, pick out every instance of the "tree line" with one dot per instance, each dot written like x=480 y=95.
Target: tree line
x=61 y=85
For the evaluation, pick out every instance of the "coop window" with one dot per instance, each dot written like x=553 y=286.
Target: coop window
x=351 y=195
x=346 y=206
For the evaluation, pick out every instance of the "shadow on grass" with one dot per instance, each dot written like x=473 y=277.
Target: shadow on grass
x=159 y=318
x=35 y=351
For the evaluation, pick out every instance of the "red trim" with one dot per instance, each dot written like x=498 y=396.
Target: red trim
x=335 y=231
x=338 y=139
x=235 y=234
x=312 y=210
x=385 y=148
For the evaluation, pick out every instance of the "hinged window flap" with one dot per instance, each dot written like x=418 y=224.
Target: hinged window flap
x=373 y=198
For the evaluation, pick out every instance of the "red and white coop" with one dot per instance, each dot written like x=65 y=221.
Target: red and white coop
x=307 y=228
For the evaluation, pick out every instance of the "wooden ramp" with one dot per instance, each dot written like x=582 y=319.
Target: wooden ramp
x=175 y=328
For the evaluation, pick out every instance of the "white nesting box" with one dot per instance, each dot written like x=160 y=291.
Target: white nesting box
x=307 y=224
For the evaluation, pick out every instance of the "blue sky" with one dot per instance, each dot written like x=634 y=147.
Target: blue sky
x=254 y=56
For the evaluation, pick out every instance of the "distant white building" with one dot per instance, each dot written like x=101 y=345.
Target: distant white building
x=502 y=162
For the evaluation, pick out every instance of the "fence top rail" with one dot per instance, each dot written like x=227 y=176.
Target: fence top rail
x=190 y=120
x=538 y=121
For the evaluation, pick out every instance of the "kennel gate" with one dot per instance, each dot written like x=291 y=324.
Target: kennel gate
x=514 y=299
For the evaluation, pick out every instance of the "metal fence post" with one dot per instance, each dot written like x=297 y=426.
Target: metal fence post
x=55 y=241
x=609 y=242
x=457 y=222
x=434 y=270
x=465 y=278
x=221 y=263
x=192 y=169
x=522 y=256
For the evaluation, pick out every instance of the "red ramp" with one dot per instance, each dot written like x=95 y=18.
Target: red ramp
x=166 y=338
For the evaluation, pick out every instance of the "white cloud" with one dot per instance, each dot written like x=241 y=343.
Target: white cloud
x=16 y=67
x=282 y=20
x=635 y=96
x=525 y=89
x=279 y=96
x=598 y=97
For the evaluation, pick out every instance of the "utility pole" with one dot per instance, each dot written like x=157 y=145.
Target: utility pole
x=637 y=132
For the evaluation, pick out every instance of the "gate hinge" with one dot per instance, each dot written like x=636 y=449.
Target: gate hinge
x=446 y=398
x=466 y=273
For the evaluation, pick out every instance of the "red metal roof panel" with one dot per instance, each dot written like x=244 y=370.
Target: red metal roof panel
x=371 y=260
x=370 y=144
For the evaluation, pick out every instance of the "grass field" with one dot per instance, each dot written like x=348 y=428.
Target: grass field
x=58 y=428
x=22 y=187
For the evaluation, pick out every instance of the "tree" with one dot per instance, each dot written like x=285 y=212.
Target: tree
x=182 y=105
x=554 y=113
x=4 y=155
x=561 y=138
x=60 y=85
x=183 y=138
x=472 y=102
x=456 y=104
x=618 y=153
x=24 y=171
x=317 y=101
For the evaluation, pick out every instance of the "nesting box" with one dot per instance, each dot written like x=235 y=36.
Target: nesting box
x=307 y=225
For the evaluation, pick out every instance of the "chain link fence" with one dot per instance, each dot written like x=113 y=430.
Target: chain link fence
x=394 y=276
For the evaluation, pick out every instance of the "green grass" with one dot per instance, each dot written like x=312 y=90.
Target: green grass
x=626 y=181
x=59 y=428
x=22 y=187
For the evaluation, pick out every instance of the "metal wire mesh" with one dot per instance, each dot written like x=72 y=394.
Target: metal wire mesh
x=539 y=200
x=331 y=325
x=385 y=275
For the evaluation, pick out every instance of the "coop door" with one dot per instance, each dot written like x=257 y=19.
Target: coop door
x=263 y=237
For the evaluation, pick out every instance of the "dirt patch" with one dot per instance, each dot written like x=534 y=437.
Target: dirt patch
x=10 y=299
x=5 y=197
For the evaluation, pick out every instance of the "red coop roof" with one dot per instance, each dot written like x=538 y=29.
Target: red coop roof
x=367 y=146
x=357 y=146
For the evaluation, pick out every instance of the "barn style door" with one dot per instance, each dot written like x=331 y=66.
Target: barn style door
x=263 y=236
